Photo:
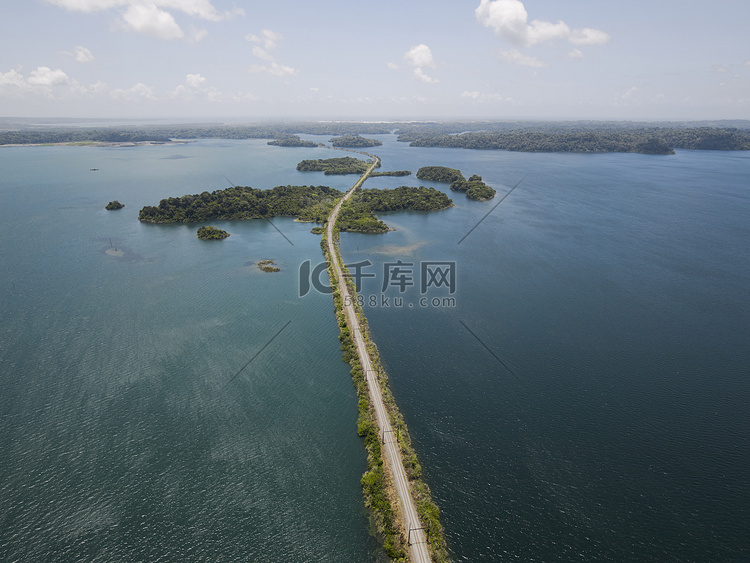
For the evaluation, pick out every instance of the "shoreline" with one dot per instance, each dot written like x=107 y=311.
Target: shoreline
x=107 y=144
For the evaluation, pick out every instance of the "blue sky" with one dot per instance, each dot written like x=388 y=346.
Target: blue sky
x=412 y=59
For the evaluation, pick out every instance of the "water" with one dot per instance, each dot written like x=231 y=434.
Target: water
x=616 y=289
x=121 y=436
x=597 y=410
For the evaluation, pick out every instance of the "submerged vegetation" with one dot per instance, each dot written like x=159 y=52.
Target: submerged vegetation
x=268 y=266
x=306 y=202
x=211 y=233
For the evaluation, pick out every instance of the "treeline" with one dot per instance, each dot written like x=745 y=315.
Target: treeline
x=306 y=202
x=393 y=173
x=645 y=141
x=81 y=136
x=354 y=142
x=341 y=165
x=357 y=214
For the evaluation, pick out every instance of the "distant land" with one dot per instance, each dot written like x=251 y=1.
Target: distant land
x=526 y=136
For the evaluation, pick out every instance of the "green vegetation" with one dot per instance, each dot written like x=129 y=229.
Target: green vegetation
x=374 y=485
x=211 y=233
x=357 y=214
x=354 y=142
x=307 y=202
x=439 y=174
x=292 y=141
x=394 y=173
x=341 y=165
x=475 y=188
x=113 y=205
x=268 y=266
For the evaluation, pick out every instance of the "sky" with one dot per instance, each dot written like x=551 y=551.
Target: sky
x=384 y=60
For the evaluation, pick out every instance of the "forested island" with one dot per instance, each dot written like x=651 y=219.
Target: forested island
x=357 y=214
x=340 y=165
x=292 y=141
x=354 y=142
x=439 y=174
x=114 y=205
x=310 y=203
x=474 y=187
x=211 y=233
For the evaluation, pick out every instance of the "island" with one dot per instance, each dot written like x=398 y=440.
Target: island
x=211 y=233
x=114 y=205
x=474 y=187
x=308 y=203
x=357 y=213
x=292 y=141
x=354 y=142
x=439 y=174
x=340 y=165
x=268 y=266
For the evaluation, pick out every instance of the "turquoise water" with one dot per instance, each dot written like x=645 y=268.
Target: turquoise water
x=584 y=398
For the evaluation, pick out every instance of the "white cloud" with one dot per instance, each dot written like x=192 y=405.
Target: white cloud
x=588 y=36
x=575 y=54
x=261 y=53
x=195 y=80
x=392 y=65
x=420 y=56
x=153 y=17
x=150 y=20
x=269 y=39
x=13 y=78
x=82 y=55
x=420 y=74
x=274 y=69
x=45 y=76
x=509 y=19
x=481 y=98
x=518 y=58
x=202 y=9
x=139 y=91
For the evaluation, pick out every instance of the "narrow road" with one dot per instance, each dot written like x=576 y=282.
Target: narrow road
x=418 y=552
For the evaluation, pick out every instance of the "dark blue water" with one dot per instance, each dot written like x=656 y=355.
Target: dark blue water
x=584 y=398
x=587 y=397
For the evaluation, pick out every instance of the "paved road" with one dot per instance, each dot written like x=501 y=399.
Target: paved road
x=418 y=552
